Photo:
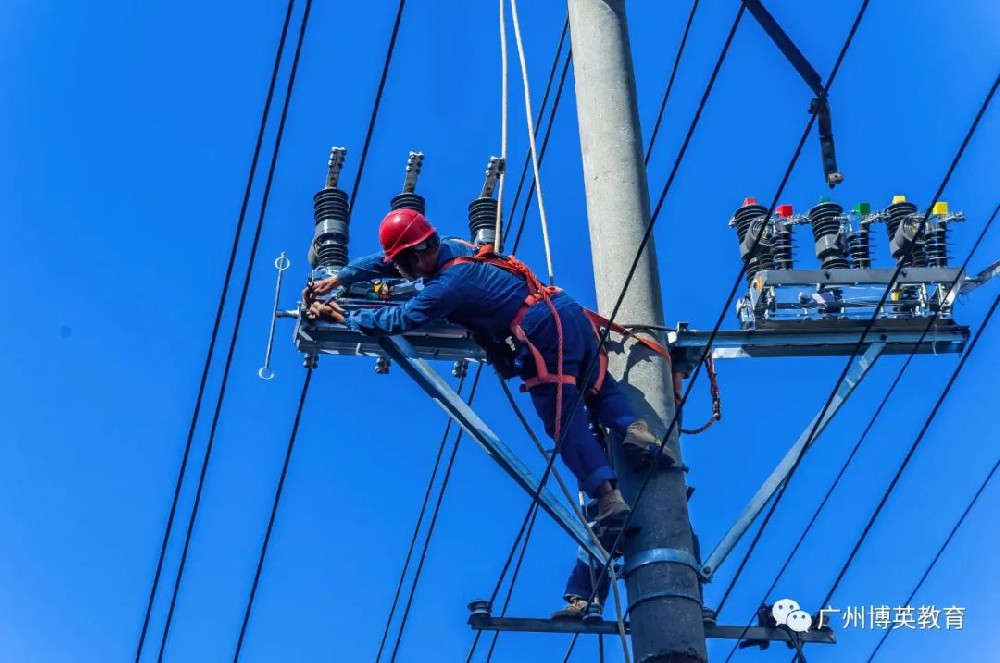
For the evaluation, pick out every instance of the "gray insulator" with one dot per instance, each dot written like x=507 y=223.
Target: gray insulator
x=936 y=245
x=828 y=233
x=781 y=248
x=902 y=225
x=409 y=201
x=332 y=213
x=483 y=220
x=750 y=224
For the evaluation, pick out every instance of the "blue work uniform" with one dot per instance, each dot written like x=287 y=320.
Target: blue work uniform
x=484 y=299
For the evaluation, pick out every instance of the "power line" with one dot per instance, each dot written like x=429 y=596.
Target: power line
x=670 y=82
x=378 y=100
x=871 y=422
x=236 y=327
x=937 y=556
x=416 y=528
x=864 y=334
x=274 y=512
x=241 y=218
x=432 y=525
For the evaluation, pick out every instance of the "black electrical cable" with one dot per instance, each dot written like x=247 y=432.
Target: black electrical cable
x=433 y=523
x=236 y=327
x=215 y=329
x=378 y=100
x=910 y=452
x=871 y=422
x=864 y=335
x=538 y=120
x=274 y=512
x=937 y=555
x=416 y=527
x=670 y=82
x=541 y=154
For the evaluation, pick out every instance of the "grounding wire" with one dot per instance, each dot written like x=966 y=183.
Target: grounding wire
x=274 y=513
x=871 y=423
x=870 y=323
x=670 y=82
x=236 y=326
x=244 y=205
x=937 y=555
x=433 y=523
x=417 y=526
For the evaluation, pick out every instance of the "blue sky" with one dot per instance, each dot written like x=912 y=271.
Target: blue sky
x=127 y=129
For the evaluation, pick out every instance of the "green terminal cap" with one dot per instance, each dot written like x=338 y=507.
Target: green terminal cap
x=824 y=199
x=863 y=209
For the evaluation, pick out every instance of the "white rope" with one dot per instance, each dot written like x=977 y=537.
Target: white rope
x=531 y=140
x=503 y=125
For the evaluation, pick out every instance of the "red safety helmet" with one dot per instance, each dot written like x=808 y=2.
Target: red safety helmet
x=402 y=229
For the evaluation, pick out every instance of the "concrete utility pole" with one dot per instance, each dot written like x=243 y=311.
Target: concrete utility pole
x=663 y=590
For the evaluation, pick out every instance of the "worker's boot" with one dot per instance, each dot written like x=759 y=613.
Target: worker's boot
x=612 y=508
x=641 y=445
x=579 y=608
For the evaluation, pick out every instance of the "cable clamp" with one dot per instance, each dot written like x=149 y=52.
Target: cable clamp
x=662 y=556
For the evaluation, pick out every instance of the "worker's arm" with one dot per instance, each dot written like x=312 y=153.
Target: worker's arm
x=362 y=269
x=439 y=298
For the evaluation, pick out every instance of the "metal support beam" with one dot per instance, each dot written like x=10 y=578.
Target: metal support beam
x=485 y=622
x=399 y=349
x=801 y=446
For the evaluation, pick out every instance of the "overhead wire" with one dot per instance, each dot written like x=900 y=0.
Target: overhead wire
x=236 y=326
x=546 y=243
x=274 y=513
x=433 y=523
x=417 y=526
x=871 y=422
x=869 y=324
x=940 y=551
x=503 y=126
x=241 y=218
x=670 y=82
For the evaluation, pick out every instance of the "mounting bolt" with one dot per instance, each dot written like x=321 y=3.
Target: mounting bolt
x=382 y=365
x=460 y=368
x=310 y=361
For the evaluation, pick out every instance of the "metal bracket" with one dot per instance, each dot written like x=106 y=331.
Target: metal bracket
x=661 y=556
x=801 y=446
x=428 y=379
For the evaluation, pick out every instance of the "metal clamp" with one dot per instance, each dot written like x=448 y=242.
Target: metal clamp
x=663 y=595
x=662 y=556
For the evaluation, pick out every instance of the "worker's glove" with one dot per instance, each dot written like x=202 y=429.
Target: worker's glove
x=329 y=311
x=317 y=289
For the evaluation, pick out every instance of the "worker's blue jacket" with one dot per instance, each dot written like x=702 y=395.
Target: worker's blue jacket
x=477 y=296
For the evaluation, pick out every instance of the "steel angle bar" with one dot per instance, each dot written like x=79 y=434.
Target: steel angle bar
x=431 y=382
x=801 y=446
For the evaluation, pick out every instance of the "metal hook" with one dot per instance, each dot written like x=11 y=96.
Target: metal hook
x=281 y=263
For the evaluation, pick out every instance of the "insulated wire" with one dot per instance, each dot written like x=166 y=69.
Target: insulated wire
x=871 y=423
x=503 y=125
x=531 y=141
x=670 y=82
x=937 y=556
x=416 y=527
x=864 y=334
x=215 y=329
x=274 y=513
x=236 y=327
x=432 y=525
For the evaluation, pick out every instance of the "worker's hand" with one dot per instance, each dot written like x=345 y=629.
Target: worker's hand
x=317 y=289
x=329 y=311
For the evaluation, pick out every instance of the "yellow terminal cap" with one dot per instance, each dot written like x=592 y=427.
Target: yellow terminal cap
x=940 y=208
x=898 y=199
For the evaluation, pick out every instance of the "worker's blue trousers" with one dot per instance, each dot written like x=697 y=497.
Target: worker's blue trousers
x=581 y=450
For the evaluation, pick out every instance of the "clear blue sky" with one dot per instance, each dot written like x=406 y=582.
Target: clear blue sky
x=126 y=130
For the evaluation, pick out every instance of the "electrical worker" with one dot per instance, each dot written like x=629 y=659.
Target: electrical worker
x=501 y=302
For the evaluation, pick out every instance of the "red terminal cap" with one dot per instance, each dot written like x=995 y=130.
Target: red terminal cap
x=784 y=211
x=749 y=201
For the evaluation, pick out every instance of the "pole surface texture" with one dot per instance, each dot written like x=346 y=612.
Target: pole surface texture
x=663 y=594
